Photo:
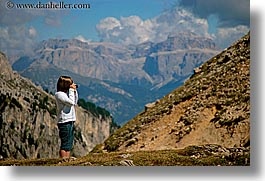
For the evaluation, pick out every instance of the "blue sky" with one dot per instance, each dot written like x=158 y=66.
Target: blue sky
x=122 y=21
x=83 y=21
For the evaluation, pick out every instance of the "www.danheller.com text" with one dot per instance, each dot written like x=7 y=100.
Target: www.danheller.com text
x=48 y=5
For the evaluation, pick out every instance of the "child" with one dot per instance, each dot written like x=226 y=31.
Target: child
x=66 y=98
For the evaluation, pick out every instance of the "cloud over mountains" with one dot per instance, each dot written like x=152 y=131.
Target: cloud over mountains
x=134 y=30
x=189 y=16
x=232 y=21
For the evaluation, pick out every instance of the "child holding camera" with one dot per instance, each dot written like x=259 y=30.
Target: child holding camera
x=66 y=99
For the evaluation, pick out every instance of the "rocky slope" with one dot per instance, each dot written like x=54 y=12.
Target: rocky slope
x=28 y=120
x=212 y=107
x=132 y=75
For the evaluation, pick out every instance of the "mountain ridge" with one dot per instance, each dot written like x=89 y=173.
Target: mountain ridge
x=156 y=69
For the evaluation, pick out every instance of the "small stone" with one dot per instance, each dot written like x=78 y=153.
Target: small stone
x=127 y=163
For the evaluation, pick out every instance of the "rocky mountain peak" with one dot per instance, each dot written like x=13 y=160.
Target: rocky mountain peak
x=185 y=41
x=61 y=43
x=5 y=68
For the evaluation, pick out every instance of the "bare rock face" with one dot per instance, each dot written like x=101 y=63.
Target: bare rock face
x=212 y=107
x=28 y=125
x=5 y=68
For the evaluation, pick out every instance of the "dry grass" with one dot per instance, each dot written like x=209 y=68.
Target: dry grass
x=182 y=157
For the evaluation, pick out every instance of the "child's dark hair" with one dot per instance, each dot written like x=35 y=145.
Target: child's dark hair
x=63 y=83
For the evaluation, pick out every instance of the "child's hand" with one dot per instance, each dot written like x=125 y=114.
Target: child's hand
x=73 y=86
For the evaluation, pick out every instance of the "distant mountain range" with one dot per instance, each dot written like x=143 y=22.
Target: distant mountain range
x=118 y=78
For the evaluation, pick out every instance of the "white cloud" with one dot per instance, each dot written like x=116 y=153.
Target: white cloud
x=134 y=30
x=108 y=23
x=17 y=39
x=32 y=32
x=224 y=37
x=81 y=38
x=179 y=20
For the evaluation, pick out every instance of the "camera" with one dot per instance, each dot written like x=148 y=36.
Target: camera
x=76 y=85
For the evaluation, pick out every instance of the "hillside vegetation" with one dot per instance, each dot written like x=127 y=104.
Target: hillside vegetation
x=207 y=155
